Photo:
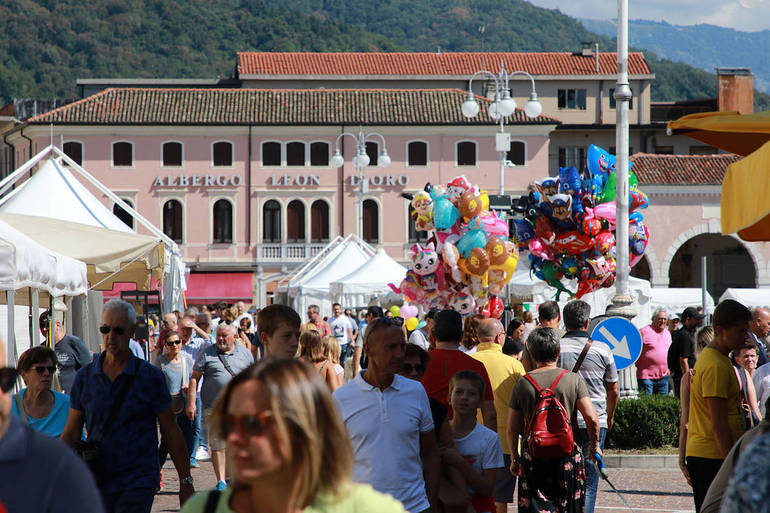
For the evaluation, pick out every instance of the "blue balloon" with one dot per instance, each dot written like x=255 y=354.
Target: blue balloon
x=475 y=237
x=524 y=231
x=445 y=214
x=569 y=181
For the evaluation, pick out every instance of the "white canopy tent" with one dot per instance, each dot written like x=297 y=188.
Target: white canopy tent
x=677 y=299
x=365 y=284
x=751 y=298
x=310 y=284
x=25 y=264
x=73 y=219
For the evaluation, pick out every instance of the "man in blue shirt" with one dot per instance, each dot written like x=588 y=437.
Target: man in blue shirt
x=129 y=469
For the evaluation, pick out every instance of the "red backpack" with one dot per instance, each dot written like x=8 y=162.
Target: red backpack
x=549 y=431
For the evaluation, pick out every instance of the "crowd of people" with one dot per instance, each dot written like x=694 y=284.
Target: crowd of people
x=353 y=412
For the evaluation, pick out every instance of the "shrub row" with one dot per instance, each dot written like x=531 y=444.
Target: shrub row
x=650 y=421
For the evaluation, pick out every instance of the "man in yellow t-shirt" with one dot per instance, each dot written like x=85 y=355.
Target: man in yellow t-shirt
x=503 y=371
x=715 y=421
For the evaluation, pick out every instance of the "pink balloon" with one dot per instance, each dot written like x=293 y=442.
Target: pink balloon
x=606 y=211
x=538 y=248
x=494 y=225
x=408 y=311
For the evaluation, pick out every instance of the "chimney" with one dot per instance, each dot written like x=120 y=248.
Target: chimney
x=735 y=90
x=586 y=49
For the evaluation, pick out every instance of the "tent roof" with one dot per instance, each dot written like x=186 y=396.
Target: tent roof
x=374 y=274
x=52 y=191
x=679 y=298
x=748 y=297
x=25 y=263
x=352 y=256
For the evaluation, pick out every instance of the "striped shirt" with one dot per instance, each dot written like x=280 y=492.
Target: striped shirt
x=597 y=369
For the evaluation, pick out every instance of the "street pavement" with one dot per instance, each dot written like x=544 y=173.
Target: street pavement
x=648 y=490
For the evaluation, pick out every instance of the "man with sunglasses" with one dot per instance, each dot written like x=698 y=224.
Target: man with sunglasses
x=71 y=352
x=37 y=473
x=126 y=449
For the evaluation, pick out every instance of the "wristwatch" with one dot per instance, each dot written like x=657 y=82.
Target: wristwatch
x=186 y=481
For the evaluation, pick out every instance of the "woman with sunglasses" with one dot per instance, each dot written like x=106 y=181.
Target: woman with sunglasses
x=37 y=405
x=284 y=433
x=176 y=366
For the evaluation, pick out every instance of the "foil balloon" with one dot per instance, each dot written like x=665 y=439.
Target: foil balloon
x=540 y=249
x=451 y=259
x=469 y=205
x=569 y=181
x=494 y=224
x=445 y=214
x=475 y=237
x=524 y=232
x=572 y=243
x=422 y=215
x=458 y=186
x=494 y=308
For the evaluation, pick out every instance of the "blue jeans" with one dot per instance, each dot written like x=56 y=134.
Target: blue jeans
x=196 y=428
x=592 y=476
x=131 y=500
x=654 y=386
x=344 y=353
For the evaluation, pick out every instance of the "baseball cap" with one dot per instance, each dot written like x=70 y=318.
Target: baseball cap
x=691 y=312
x=673 y=315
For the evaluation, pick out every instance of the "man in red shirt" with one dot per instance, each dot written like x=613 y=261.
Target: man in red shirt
x=652 y=366
x=446 y=360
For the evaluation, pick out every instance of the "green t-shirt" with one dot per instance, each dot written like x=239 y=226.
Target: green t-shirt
x=356 y=498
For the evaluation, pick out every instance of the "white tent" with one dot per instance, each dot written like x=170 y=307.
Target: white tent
x=25 y=264
x=751 y=298
x=310 y=283
x=367 y=282
x=72 y=218
x=677 y=299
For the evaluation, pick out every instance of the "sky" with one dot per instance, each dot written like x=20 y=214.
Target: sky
x=725 y=13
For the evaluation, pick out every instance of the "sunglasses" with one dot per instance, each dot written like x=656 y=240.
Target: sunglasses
x=118 y=330
x=40 y=369
x=417 y=367
x=8 y=377
x=252 y=425
x=173 y=342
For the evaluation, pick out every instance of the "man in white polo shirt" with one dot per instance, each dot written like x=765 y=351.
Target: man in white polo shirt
x=390 y=423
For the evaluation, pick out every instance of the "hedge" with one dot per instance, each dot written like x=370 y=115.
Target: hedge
x=650 y=421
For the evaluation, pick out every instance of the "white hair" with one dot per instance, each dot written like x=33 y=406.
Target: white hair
x=658 y=310
x=233 y=329
x=127 y=309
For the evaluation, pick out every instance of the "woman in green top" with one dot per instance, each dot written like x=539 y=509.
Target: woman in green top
x=288 y=446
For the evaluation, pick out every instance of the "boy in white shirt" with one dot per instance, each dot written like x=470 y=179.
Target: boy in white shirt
x=478 y=455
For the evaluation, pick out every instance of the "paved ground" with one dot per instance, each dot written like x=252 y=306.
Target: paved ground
x=663 y=491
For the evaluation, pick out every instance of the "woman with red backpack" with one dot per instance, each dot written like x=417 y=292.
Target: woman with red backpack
x=543 y=404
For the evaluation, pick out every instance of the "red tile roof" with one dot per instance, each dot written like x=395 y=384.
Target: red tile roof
x=682 y=169
x=432 y=64
x=274 y=107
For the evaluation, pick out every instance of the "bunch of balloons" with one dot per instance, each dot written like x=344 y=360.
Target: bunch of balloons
x=568 y=225
x=468 y=259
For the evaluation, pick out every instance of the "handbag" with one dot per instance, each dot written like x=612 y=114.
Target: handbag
x=178 y=400
x=91 y=450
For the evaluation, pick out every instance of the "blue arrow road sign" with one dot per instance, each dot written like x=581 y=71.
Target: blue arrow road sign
x=622 y=338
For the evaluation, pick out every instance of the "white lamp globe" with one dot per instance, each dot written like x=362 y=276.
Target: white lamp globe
x=337 y=159
x=494 y=110
x=384 y=159
x=533 y=107
x=362 y=160
x=506 y=106
x=470 y=106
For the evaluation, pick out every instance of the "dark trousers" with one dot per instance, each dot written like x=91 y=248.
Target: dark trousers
x=677 y=382
x=186 y=427
x=131 y=500
x=702 y=472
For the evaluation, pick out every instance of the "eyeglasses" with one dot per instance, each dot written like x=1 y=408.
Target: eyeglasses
x=8 y=377
x=417 y=367
x=40 y=369
x=252 y=425
x=118 y=330
x=173 y=342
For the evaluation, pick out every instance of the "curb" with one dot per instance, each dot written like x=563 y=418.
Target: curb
x=642 y=461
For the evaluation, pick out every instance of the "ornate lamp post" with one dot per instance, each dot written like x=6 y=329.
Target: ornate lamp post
x=360 y=162
x=501 y=109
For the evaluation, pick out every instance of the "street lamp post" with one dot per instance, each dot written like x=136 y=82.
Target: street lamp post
x=360 y=162
x=501 y=109
x=621 y=303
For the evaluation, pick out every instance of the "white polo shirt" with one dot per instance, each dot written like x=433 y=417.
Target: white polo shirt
x=385 y=428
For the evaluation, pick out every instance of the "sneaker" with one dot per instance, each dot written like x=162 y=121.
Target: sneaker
x=221 y=485
x=194 y=463
x=202 y=454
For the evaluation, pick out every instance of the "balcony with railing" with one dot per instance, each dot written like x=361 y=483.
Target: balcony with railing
x=277 y=252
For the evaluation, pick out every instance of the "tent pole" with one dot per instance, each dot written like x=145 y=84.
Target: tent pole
x=11 y=179
x=10 y=301
x=30 y=317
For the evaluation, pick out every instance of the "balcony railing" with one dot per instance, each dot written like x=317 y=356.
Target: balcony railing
x=278 y=252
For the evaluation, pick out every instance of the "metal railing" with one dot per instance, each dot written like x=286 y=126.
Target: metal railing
x=290 y=252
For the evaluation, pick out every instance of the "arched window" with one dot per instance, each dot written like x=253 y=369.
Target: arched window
x=373 y=150
x=371 y=227
x=295 y=154
x=222 y=154
x=414 y=234
x=417 y=153
x=122 y=154
x=223 y=222
x=295 y=221
x=271 y=221
x=319 y=221
x=518 y=153
x=466 y=153
x=172 y=154
x=319 y=154
x=271 y=154
x=122 y=214
x=172 y=220
x=74 y=150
